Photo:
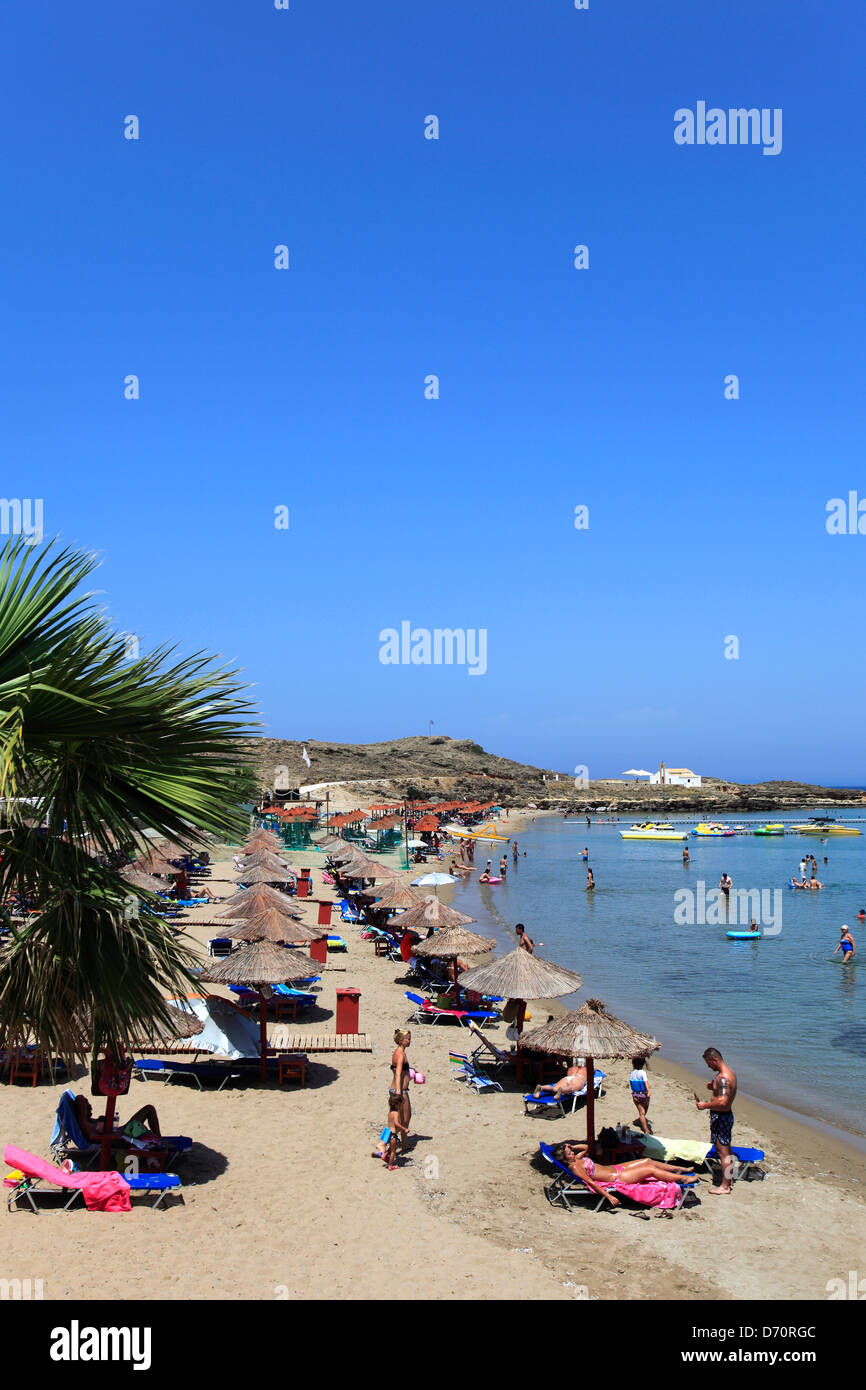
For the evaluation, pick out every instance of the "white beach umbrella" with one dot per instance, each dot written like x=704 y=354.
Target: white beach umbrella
x=433 y=881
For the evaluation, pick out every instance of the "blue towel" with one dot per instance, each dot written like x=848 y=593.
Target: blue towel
x=66 y=1122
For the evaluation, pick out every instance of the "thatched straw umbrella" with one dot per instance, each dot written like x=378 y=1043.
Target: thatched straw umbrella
x=266 y=859
x=394 y=895
x=155 y=864
x=343 y=851
x=451 y=943
x=590 y=1032
x=173 y=849
x=258 y=964
x=521 y=976
x=139 y=879
x=258 y=875
x=381 y=873
x=181 y=1023
x=272 y=925
x=249 y=902
x=346 y=863
x=434 y=913
x=271 y=843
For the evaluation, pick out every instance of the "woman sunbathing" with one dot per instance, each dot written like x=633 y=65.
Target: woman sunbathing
x=574 y=1080
x=623 y=1177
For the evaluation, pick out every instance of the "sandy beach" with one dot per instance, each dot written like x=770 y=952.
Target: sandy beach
x=282 y=1198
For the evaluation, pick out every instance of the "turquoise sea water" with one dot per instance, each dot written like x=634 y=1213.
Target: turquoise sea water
x=790 y=1019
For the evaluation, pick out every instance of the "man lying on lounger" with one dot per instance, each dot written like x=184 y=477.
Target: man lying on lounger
x=574 y=1080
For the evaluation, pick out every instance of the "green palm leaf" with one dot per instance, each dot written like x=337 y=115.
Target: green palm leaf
x=106 y=748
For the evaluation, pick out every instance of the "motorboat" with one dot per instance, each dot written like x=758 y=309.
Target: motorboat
x=653 y=830
x=826 y=825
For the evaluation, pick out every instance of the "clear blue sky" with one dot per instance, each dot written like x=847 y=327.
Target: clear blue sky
x=558 y=387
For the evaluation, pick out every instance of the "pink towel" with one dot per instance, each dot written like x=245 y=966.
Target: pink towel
x=102 y=1191
x=652 y=1193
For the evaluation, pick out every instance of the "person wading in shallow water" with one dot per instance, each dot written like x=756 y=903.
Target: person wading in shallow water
x=524 y=940
x=724 y=1088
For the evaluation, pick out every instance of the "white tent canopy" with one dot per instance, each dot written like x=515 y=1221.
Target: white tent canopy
x=227 y=1032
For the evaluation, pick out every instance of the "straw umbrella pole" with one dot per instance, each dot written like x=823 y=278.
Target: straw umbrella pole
x=590 y=1032
x=258 y=964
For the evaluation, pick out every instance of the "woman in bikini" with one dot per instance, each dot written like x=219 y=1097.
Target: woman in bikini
x=601 y=1176
x=399 y=1104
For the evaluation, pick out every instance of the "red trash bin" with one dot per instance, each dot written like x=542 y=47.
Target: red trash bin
x=319 y=949
x=348 y=1000
x=304 y=887
x=324 y=918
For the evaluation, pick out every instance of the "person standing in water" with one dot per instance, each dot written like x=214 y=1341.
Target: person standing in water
x=590 y=881
x=524 y=940
x=687 y=858
x=726 y=883
x=846 y=946
x=503 y=867
x=514 y=850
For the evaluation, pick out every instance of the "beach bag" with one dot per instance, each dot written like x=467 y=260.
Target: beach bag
x=110 y=1078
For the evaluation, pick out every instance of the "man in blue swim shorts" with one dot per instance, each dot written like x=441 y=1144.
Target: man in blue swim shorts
x=724 y=1088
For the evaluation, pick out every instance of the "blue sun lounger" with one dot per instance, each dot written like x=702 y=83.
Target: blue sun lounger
x=431 y=1012
x=462 y=1069
x=541 y=1104
x=35 y=1171
x=746 y=1159
x=160 y=1069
